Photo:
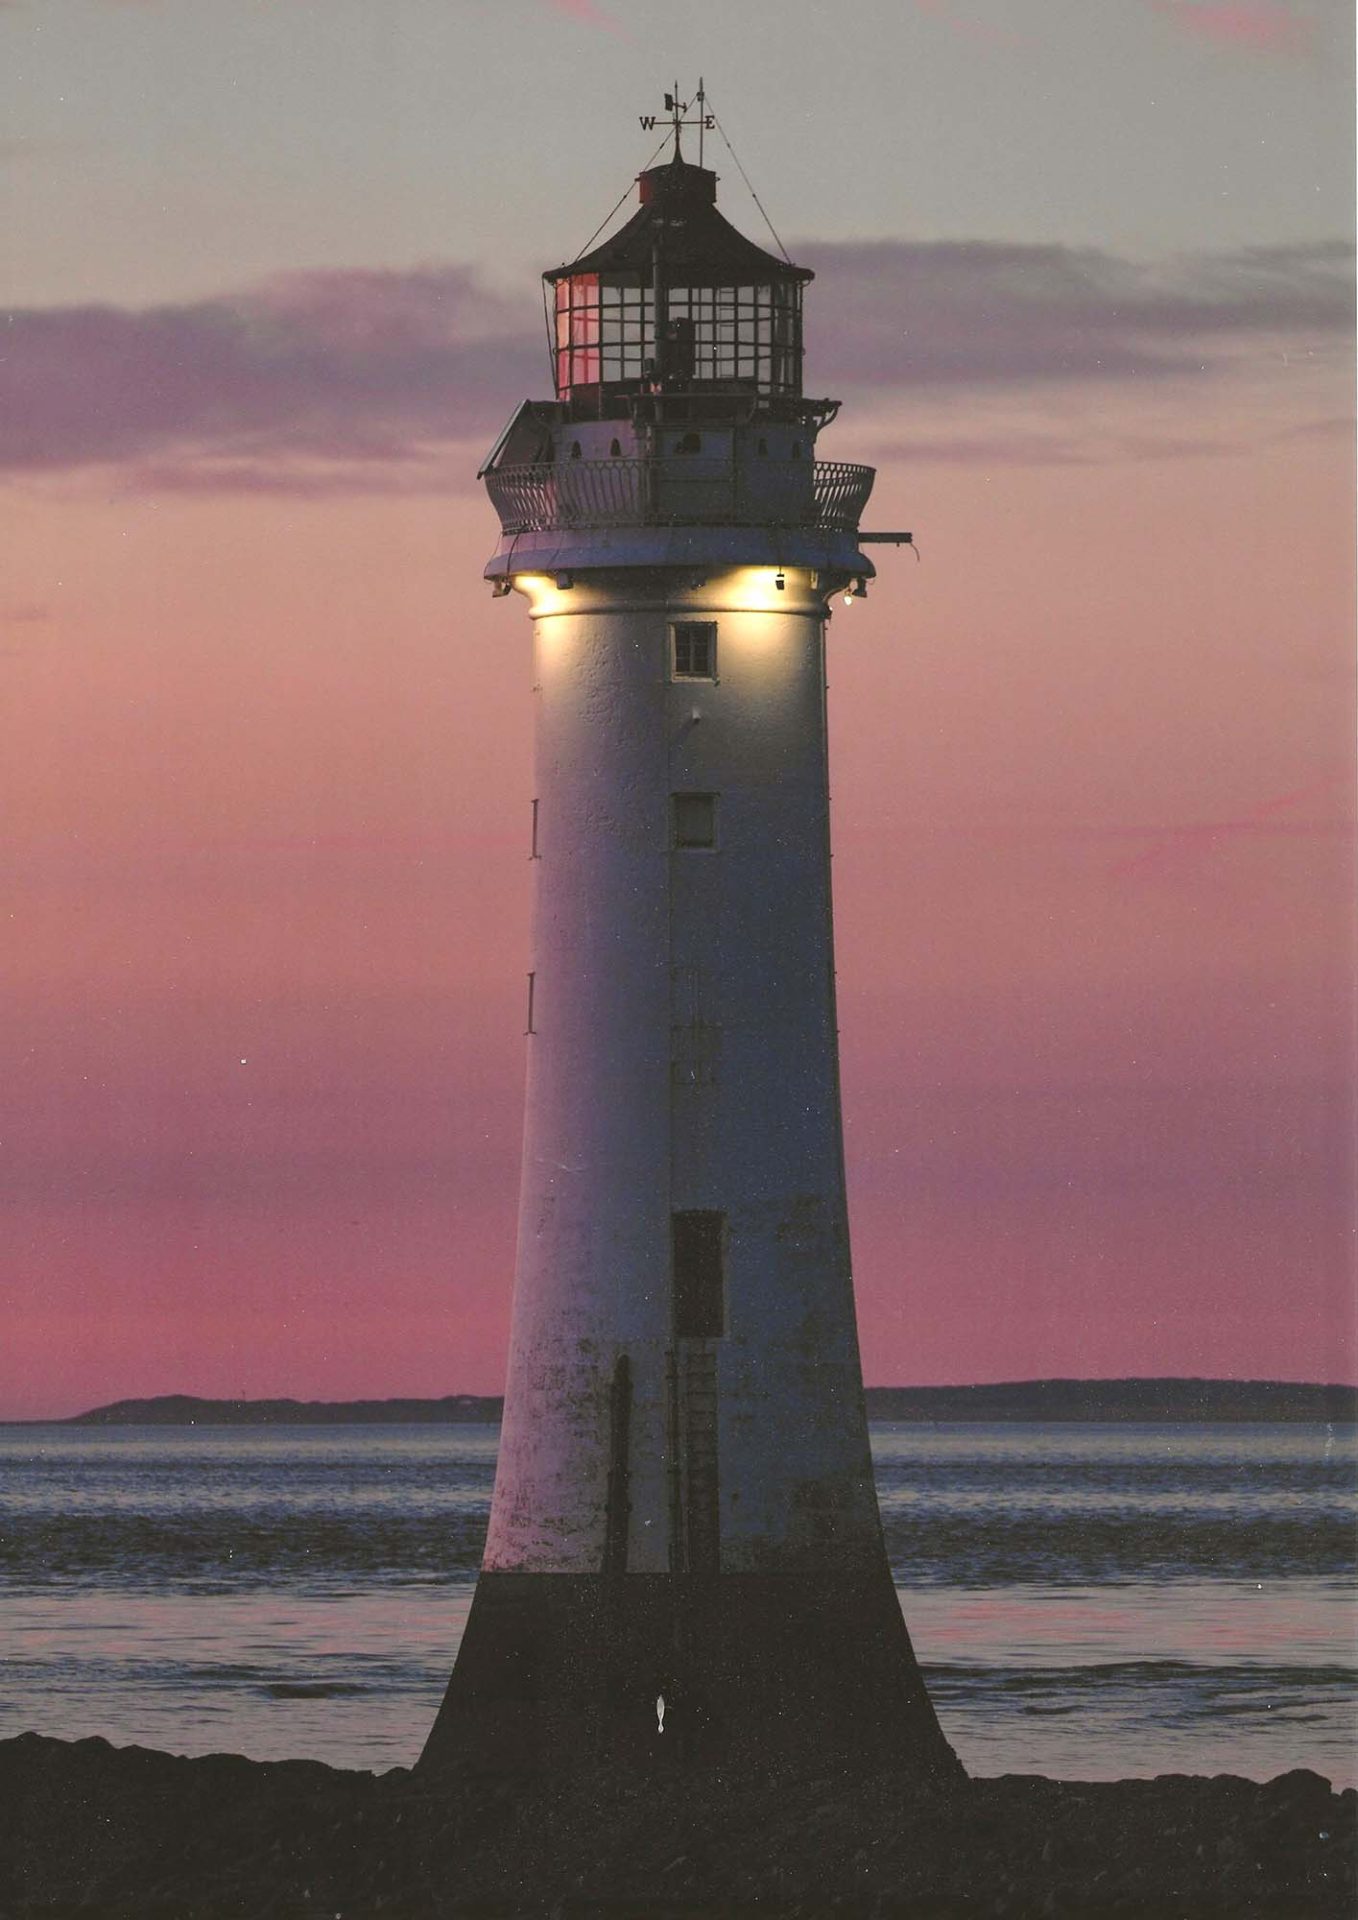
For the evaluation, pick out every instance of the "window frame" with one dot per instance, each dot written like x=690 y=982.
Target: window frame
x=678 y=627
x=744 y=335
x=694 y=846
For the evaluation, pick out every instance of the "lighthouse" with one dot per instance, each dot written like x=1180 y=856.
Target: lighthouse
x=685 y=1555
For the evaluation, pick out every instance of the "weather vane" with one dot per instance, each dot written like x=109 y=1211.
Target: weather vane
x=676 y=109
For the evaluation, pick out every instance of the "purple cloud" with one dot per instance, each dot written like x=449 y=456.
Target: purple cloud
x=354 y=380
x=981 y=313
x=983 y=32
x=1195 y=836
x=1253 y=25
x=356 y=367
x=586 y=14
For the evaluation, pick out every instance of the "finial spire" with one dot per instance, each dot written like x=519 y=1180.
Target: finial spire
x=676 y=109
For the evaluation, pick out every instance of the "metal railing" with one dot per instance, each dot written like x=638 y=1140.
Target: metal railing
x=687 y=490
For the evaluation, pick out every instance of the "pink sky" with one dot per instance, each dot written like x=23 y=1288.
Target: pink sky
x=266 y=772
x=1090 y=867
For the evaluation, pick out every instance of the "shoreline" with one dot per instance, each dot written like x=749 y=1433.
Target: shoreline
x=131 y=1833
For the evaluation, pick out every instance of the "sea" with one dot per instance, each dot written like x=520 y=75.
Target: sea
x=1087 y=1602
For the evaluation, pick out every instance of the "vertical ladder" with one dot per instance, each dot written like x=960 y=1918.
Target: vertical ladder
x=698 y=1392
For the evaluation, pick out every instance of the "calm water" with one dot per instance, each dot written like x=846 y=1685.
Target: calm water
x=1088 y=1602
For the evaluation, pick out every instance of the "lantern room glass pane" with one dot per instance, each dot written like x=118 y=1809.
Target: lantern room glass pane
x=626 y=329
x=742 y=336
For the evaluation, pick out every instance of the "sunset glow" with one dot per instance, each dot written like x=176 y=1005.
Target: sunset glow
x=266 y=746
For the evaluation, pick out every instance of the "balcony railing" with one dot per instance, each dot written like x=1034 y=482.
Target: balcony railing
x=688 y=490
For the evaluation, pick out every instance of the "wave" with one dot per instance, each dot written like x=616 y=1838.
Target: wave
x=991 y=1548
x=206 y=1551
x=200 y=1553
x=329 y=1511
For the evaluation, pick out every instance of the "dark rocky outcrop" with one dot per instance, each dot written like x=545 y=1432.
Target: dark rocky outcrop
x=89 y=1829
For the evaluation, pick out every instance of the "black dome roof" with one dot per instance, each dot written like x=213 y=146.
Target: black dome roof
x=698 y=246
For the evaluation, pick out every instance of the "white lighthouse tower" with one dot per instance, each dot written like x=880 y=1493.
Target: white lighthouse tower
x=685 y=1553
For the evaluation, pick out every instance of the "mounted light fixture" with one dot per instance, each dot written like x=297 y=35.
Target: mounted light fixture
x=780 y=580
x=565 y=581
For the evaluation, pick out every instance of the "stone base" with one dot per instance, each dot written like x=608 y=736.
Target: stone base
x=779 y=1669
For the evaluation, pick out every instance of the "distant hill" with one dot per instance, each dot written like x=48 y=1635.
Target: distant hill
x=1149 y=1401
x=183 y=1410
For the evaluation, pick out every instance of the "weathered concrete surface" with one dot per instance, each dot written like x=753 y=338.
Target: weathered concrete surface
x=683 y=1055
x=133 y=1835
x=683 y=1510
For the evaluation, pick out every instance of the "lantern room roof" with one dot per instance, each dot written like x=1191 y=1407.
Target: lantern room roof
x=698 y=246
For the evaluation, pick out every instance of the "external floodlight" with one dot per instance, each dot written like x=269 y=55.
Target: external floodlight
x=500 y=589
x=565 y=581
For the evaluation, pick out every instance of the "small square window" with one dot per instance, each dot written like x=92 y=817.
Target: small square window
x=695 y=650
x=695 y=819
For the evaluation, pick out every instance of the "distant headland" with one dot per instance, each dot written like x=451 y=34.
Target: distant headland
x=1145 y=1401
